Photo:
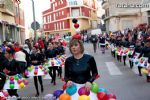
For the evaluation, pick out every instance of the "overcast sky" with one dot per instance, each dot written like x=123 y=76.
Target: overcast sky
x=40 y=5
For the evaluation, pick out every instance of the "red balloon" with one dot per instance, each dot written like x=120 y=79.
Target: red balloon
x=35 y=72
x=64 y=86
x=40 y=67
x=11 y=78
x=19 y=81
x=111 y=95
x=102 y=96
x=77 y=36
x=76 y=25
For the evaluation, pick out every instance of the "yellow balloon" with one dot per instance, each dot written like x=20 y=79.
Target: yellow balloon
x=84 y=97
x=144 y=71
x=22 y=85
x=32 y=67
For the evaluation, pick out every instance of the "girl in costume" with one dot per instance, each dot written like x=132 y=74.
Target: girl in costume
x=80 y=69
x=61 y=51
x=50 y=54
x=145 y=53
x=138 y=49
x=11 y=70
x=37 y=58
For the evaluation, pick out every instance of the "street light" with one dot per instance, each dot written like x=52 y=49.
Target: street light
x=35 y=35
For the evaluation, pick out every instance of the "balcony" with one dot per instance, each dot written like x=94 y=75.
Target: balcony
x=105 y=4
x=75 y=3
x=7 y=6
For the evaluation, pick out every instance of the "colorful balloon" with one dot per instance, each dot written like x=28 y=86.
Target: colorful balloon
x=12 y=82
x=84 y=97
x=57 y=93
x=102 y=90
x=83 y=91
x=64 y=87
x=16 y=77
x=11 y=86
x=94 y=88
x=111 y=95
x=25 y=82
x=144 y=71
x=74 y=20
x=19 y=81
x=5 y=93
x=71 y=90
x=102 y=96
x=22 y=85
x=11 y=78
x=35 y=72
x=76 y=25
x=64 y=97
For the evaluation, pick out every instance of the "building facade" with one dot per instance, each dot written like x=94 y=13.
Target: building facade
x=121 y=14
x=9 y=26
x=145 y=12
x=58 y=18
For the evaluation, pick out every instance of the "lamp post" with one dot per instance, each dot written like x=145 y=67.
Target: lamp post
x=35 y=35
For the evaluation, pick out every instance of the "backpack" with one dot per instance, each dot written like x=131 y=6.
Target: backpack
x=94 y=39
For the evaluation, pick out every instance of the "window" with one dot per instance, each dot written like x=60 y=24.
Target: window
x=62 y=12
x=54 y=26
x=56 y=4
x=75 y=12
x=44 y=26
x=63 y=24
x=50 y=18
x=57 y=26
x=54 y=16
x=44 y=19
x=59 y=13
x=60 y=25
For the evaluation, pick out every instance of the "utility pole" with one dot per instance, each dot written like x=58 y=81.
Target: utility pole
x=35 y=35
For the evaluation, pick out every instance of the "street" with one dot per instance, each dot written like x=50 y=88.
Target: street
x=125 y=83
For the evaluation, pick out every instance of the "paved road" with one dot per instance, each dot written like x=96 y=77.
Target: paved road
x=115 y=77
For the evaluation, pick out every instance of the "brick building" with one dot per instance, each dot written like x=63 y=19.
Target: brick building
x=58 y=18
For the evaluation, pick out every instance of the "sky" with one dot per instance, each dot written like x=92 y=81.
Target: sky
x=40 y=5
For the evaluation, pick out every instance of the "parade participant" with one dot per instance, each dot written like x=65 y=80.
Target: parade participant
x=61 y=52
x=80 y=69
x=102 y=43
x=37 y=59
x=2 y=59
x=94 y=40
x=138 y=49
x=118 y=44
x=11 y=68
x=50 y=53
x=20 y=57
x=145 y=53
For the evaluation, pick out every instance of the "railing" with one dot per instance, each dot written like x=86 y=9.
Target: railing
x=71 y=3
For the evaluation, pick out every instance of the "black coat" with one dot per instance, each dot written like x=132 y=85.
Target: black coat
x=80 y=70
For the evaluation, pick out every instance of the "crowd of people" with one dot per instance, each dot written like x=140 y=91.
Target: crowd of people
x=15 y=60
x=137 y=41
